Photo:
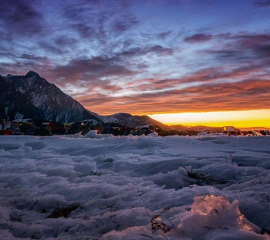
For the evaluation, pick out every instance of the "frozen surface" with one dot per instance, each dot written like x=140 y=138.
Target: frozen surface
x=134 y=187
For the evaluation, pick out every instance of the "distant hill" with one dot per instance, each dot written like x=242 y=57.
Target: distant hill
x=196 y=128
x=131 y=121
x=254 y=128
x=178 y=127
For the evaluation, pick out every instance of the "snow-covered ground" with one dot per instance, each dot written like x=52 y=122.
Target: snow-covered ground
x=134 y=187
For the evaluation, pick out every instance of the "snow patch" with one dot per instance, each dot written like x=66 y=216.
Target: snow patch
x=94 y=134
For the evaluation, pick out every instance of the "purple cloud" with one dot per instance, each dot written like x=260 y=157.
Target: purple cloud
x=262 y=3
x=199 y=37
x=21 y=17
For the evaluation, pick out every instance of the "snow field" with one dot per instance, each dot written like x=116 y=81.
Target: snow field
x=134 y=187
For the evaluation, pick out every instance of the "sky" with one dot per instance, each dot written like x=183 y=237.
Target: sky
x=146 y=57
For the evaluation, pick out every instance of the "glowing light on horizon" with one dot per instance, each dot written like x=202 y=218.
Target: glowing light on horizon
x=250 y=118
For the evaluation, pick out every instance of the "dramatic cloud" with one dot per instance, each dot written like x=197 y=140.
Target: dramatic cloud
x=209 y=97
x=262 y=4
x=157 y=50
x=163 y=35
x=124 y=23
x=198 y=38
x=143 y=56
x=21 y=18
x=92 y=69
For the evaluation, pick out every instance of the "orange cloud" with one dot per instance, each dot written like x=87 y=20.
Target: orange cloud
x=244 y=95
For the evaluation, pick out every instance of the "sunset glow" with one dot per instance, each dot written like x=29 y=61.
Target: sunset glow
x=135 y=119
x=147 y=57
x=252 y=118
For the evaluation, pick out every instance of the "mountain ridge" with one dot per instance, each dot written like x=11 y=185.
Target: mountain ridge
x=55 y=104
x=60 y=107
x=132 y=121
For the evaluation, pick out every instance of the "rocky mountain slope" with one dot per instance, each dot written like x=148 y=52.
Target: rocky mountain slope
x=55 y=104
x=32 y=96
x=15 y=105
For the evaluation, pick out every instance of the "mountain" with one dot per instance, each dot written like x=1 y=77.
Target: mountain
x=32 y=96
x=15 y=105
x=55 y=104
x=131 y=121
x=178 y=127
x=205 y=128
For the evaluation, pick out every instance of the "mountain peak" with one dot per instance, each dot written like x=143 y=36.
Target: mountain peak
x=122 y=114
x=54 y=104
x=31 y=74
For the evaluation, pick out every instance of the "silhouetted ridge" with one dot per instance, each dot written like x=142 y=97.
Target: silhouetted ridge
x=48 y=98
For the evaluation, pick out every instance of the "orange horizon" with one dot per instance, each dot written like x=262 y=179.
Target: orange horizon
x=254 y=118
x=240 y=119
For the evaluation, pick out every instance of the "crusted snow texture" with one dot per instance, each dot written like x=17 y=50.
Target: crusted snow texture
x=134 y=187
x=55 y=104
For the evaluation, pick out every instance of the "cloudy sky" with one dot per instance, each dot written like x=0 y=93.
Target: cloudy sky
x=143 y=56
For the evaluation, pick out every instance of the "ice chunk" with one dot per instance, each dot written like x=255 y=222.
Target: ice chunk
x=94 y=134
x=211 y=213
